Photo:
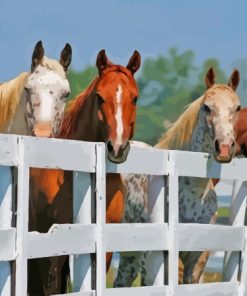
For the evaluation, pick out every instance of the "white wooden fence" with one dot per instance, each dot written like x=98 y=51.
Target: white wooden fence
x=84 y=237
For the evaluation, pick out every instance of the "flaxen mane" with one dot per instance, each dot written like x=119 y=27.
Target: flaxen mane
x=180 y=132
x=73 y=110
x=10 y=94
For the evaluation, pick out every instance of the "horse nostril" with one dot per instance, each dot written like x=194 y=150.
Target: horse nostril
x=233 y=144
x=217 y=146
x=109 y=146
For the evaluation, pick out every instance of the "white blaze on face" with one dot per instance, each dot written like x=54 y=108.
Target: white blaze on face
x=118 y=116
x=47 y=106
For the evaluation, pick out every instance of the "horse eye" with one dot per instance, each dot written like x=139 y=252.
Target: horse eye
x=100 y=100
x=238 y=109
x=206 y=108
x=134 y=100
x=67 y=94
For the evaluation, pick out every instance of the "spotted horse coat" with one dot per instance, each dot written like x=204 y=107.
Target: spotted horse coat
x=195 y=206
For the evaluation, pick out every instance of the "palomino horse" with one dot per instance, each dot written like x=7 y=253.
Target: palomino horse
x=33 y=103
x=104 y=112
x=206 y=126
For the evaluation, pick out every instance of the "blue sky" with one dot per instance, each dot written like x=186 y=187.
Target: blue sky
x=211 y=28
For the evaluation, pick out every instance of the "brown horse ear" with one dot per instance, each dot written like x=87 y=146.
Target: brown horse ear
x=38 y=54
x=234 y=80
x=66 y=56
x=209 y=79
x=102 y=61
x=134 y=62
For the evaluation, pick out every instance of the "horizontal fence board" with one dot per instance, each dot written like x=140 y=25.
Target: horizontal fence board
x=8 y=149
x=61 y=154
x=88 y=293
x=212 y=289
x=135 y=237
x=203 y=165
x=62 y=239
x=142 y=160
x=141 y=291
x=199 y=237
x=7 y=244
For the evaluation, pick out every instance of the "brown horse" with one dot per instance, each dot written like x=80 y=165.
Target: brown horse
x=104 y=112
x=241 y=148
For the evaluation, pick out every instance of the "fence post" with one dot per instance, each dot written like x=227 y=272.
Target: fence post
x=82 y=195
x=237 y=217
x=22 y=220
x=100 y=218
x=6 y=198
x=156 y=209
x=173 y=220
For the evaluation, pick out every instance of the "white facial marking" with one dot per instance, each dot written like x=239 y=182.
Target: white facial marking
x=47 y=104
x=118 y=115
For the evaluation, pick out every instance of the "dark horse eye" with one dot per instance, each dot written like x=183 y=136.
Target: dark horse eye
x=100 y=100
x=134 y=101
x=238 y=109
x=206 y=108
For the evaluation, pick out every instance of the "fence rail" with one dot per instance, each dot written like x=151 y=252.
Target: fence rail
x=84 y=237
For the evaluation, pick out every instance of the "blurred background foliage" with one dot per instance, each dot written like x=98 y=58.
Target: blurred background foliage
x=166 y=83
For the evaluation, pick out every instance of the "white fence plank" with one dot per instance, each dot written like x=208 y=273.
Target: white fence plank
x=205 y=166
x=22 y=221
x=7 y=234
x=195 y=237
x=82 y=200
x=135 y=237
x=155 y=162
x=62 y=239
x=173 y=256
x=100 y=219
x=7 y=245
x=142 y=291
x=212 y=289
x=60 y=154
x=88 y=293
x=8 y=150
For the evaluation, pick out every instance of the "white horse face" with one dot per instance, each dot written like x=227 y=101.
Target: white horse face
x=222 y=106
x=46 y=90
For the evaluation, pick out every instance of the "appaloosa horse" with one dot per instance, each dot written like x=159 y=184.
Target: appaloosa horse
x=206 y=126
x=104 y=112
x=33 y=103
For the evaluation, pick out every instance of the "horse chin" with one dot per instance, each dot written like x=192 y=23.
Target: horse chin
x=223 y=159
x=121 y=157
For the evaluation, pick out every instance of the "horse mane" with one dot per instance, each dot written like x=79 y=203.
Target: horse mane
x=73 y=110
x=10 y=94
x=180 y=132
x=54 y=66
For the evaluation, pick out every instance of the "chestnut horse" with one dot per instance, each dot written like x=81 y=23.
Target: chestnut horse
x=104 y=112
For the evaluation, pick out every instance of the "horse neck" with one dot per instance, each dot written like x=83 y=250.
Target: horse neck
x=201 y=136
x=88 y=127
x=17 y=124
x=200 y=142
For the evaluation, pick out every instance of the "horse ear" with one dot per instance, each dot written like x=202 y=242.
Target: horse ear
x=102 y=61
x=234 y=80
x=134 y=62
x=209 y=79
x=38 y=54
x=66 y=56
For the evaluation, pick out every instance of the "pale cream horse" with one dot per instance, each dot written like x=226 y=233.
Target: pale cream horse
x=207 y=125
